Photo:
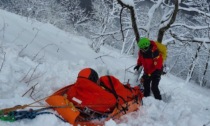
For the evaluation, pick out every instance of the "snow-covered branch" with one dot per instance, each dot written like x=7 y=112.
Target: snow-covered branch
x=130 y=5
x=151 y=14
x=167 y=24
x=191 y=39
x=3 y=60
x=189 y=27
x=191 y=9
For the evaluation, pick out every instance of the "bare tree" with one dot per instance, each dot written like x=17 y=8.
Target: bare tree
x=2 y=58
x=133 y=18
x=193 y=64
x=195 y=31
x=167 y=21
x=169 y=14
x=73 y=13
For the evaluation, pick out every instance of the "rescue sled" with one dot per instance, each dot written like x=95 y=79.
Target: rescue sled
x=73 y=115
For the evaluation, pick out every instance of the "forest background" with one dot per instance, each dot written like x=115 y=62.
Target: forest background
x=183 y=25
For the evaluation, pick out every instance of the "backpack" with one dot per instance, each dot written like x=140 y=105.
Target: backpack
x=123 y=93
x=162 y=49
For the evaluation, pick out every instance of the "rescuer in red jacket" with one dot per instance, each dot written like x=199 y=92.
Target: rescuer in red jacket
x=152 y=61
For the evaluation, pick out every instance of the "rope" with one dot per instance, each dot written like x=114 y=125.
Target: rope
x=6 y=118
x=118 y=96
x=92 y=118
x=31 y=114
x=11 y=115
x=26 y=114
x=8 y=110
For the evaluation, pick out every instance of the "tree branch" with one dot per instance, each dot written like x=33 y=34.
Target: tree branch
x=190 y=27
x=197 y=40
x=2 y=64
x=172 y=20
x=32 y=90
x=123 y=37
x=133 y=19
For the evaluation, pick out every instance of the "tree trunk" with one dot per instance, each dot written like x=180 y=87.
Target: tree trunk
x=172 y=20
x=133 y=19
x=192 y=66
x=205 y=70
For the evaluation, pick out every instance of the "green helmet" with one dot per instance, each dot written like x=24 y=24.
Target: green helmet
x=143 y=43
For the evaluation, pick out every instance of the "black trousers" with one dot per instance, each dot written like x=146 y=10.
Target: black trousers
x=152 y=82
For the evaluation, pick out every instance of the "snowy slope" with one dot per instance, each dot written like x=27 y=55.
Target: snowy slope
x=40 y=55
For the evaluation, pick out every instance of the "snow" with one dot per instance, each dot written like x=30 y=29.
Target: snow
x=40 y=55
x=128 y=2
x=194 y=10
x=151 y=13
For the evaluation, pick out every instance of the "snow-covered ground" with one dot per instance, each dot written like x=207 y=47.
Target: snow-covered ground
x=40 y=55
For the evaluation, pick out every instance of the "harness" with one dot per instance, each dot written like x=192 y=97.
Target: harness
x=150 y=53
x=113 y=91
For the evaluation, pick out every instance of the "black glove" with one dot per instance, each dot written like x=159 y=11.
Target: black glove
x=136 y=67
x=163 y=72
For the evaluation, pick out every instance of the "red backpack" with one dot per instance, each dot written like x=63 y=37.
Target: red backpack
x=124 y=93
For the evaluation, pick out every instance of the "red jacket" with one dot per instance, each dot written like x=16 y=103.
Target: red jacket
x=85 y=93
x=151 y=60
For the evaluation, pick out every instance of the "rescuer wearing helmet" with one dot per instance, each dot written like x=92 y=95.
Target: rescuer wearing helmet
x=151 y=60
